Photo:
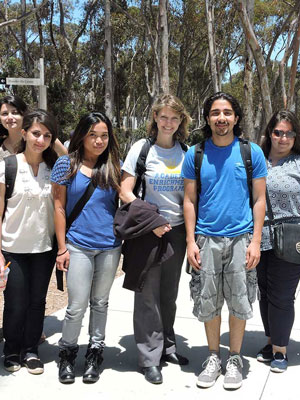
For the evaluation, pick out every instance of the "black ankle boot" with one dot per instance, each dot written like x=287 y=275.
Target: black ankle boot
x=92 y=365
x=66 y=371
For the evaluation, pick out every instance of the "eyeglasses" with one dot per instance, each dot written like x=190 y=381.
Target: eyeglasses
x=279 y=134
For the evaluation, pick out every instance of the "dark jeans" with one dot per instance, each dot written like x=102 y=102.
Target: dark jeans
x=25 y=299
x=155 y=306
x=277 y=281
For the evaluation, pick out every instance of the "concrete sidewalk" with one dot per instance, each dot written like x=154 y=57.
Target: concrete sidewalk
x=120 y=378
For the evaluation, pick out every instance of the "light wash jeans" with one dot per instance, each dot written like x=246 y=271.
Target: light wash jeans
x=89 y=279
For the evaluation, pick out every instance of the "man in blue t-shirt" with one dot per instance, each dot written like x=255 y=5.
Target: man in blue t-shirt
x=223 y=240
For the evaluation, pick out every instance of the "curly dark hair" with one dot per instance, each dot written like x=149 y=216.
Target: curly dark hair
x=236 y=108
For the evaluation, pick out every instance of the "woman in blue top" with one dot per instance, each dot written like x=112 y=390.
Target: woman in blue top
x=89 y=252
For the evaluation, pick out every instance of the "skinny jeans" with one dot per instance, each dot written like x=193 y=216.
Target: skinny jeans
x=25 y=300
x=155 y=307
x=89 y=279
x=277 y=282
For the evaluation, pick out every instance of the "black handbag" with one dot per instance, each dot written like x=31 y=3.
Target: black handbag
x=285 y=236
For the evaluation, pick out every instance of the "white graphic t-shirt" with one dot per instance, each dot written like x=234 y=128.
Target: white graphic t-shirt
x=164 y=185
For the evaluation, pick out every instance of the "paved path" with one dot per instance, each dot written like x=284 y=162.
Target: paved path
x=120 y=379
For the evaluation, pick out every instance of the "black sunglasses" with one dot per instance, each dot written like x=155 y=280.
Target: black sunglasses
x=288 y=134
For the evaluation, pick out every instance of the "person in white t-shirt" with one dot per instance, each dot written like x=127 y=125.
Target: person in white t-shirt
x=155 y=305
x=27 y=233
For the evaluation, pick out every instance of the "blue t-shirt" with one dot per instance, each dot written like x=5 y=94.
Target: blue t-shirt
x=224 y=207
x=93 y=228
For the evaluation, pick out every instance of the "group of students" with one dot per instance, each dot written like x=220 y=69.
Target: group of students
x=81 y=190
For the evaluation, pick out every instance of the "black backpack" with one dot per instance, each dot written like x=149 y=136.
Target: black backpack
x=245 y=148
x=10 y=177
x=140 y=168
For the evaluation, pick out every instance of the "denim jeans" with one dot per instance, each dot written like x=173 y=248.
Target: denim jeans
x=89 y=279
x=25 y=299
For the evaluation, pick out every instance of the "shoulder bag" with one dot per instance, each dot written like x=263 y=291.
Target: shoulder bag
x=286 y=236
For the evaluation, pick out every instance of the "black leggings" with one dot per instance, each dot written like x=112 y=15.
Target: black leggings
x=25 y=300
x=277 y=281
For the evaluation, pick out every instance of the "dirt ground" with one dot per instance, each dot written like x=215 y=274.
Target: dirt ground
x=55 y=298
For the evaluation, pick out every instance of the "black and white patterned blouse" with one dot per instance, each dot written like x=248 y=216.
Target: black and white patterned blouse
x=283 y=183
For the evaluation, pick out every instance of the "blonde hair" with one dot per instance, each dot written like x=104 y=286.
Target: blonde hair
x=168 y=100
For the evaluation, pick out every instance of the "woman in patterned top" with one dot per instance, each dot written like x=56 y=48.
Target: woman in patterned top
x=88 y=252
x=278 y=279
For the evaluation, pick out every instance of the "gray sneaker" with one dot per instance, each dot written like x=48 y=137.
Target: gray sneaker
x=212 y=371
x=233 y=377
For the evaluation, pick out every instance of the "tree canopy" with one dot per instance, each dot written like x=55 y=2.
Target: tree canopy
x=118 y=55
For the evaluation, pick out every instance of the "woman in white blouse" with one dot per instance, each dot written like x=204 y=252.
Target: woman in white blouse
x=278 y=279
x=27 y=234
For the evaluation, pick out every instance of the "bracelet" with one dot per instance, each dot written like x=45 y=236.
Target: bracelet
x=61 y=254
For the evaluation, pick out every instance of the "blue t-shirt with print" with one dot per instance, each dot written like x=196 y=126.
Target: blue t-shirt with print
x=224 y=207
x=93 y=228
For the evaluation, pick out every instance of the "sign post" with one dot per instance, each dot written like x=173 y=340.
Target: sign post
x=32 y=82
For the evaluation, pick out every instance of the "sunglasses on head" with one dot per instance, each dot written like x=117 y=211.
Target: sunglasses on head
x=289 y=134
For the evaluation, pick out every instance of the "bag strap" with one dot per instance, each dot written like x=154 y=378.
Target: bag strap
x=69 y=221
x=269 y=208
x=80 y=205
x=11 y=166
x=198 y=158
x=140 y=168
x=245 y=148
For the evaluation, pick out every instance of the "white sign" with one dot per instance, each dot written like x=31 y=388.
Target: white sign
x=23 y=81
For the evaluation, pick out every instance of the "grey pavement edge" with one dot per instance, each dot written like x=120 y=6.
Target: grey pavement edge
x=120 y=378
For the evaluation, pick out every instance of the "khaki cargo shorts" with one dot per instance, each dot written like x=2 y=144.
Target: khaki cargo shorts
x=223 y=275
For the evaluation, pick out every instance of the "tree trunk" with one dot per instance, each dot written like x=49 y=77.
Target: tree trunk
x=248 y=82
x=212 y=46
x=293 y=72
x=23 y=37
x=109 y=96
x=259 y=60
x=164 y=39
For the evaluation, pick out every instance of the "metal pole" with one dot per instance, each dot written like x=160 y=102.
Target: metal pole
x=42 y=87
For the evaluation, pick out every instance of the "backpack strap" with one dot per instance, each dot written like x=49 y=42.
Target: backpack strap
x=198 y=158
x=80 y=205
x=245 y=148
x=183 y=147
x=11 y=166
x=140 y=168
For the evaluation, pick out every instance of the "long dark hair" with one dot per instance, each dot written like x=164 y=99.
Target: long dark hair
x=48 y=120
x=14 y=101
x=277 y=117
x=235 y=106
x=106 y=172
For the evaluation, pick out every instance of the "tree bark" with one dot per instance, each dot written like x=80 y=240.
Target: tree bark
x=109 y=96
x=212 y=46
x=248 y=82
x=293 y=72
x=164 y=39
x=259 y=60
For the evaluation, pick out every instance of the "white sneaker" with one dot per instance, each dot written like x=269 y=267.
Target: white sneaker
x=233 y=377
x=212 y=371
